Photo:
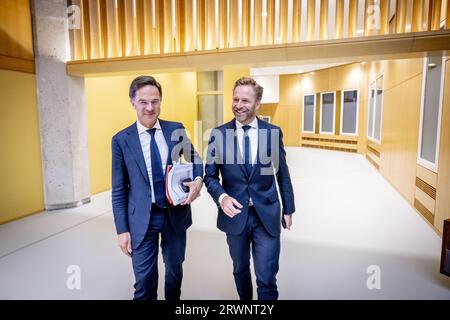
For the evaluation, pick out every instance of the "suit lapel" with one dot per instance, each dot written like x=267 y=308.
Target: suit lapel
x=135 y=146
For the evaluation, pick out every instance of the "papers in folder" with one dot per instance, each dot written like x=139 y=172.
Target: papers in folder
x=176 y=175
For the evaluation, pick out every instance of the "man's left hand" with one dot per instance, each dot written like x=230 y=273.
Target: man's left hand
x=194 y=190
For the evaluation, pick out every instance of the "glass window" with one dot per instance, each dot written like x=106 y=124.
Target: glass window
x=209 y=99
x=327 y=113
x=309 y=113
x=370 y=111
x=375 y=111
x=430 y=112
x=349 y=112
x=378 y=109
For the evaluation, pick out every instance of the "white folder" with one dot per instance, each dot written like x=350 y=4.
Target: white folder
x=176 y=174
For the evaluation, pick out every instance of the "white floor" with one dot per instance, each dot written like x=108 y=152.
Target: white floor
x=348 y=218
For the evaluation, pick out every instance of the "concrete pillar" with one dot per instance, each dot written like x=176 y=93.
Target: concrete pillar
x=62 y=109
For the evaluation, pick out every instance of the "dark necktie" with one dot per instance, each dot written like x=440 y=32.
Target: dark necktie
x=159 y=188
x=247 y=150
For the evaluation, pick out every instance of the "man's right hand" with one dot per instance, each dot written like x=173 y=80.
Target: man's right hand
x=229 y=205
x=125 y=243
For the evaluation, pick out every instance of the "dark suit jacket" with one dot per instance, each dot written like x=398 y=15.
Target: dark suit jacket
x=260 y=186
x=131 y=191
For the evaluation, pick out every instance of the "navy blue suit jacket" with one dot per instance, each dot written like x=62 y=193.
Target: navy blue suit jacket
x=260 y=186
x=131 y=190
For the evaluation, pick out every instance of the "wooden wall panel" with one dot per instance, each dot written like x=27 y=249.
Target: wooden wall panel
x=290 y=90
x=296 y=20
x=258 y=36
x=323 y=25
x=447 y=20
x=400 y=131
x=384 y=17
x=270 y=109
x=417 y=19
x=270 y=29
x=435 y=14
x=346 y=76
x=339 y=25
x=444 y=10
x=223 y=24
x=337 y=115
x=152 y=26
x=352 y=15
x=427 y=175
x=95 y=28
x=210 y=32
x=311 y=15
x=288 y=118
x=288 y=112
x=400 y=16
x=16 y=39
x=21 y=180
x=400 y=71
x=233 y=21
x=283 y=38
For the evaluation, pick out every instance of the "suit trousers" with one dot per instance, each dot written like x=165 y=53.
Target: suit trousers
x=265 y=252
x=145 y=258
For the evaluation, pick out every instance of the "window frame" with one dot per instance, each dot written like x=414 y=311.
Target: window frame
x=374 y=82
x=342 y=112
x=321 y=113
x=303 y=113
x=368 y=136
x=423 y=162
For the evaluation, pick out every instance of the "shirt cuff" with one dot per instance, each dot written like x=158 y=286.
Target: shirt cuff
x=223 y=195
x=198 y=177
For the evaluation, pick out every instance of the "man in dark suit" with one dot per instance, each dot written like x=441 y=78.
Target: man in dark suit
x=249 y=155
x=140 y=155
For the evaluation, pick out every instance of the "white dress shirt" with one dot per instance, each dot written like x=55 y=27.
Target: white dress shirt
x=253 y=135
x=145 y=139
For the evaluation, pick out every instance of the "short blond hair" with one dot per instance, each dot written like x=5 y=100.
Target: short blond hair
x=247 y=81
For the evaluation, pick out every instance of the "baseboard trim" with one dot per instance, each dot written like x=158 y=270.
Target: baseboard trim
x=68 y=205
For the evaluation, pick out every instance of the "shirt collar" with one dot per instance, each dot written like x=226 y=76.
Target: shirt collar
x=253 y=124
x=142 y=129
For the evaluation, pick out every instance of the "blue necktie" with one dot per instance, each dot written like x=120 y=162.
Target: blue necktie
x=246 y=146
x=159 y=188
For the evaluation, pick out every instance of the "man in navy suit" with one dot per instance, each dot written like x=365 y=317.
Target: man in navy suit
x=140 y=155
x=249 y=155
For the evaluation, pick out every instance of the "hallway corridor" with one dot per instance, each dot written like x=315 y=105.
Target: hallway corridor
x=348 y=217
